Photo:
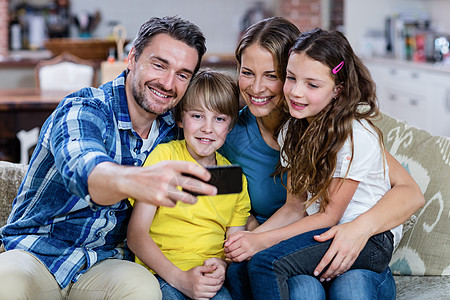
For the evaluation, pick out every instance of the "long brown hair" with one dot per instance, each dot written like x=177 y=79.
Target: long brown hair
x=311 y=148
x=276 y=35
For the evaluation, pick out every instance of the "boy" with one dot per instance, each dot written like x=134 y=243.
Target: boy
x=185 y=244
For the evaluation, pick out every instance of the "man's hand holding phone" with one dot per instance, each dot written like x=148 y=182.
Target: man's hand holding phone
x=227 y=179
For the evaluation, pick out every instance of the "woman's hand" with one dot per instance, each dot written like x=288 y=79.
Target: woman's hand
x=348 y=241
x=243 y=245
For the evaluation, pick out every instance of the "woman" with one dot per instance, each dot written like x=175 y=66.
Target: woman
x=262 y=57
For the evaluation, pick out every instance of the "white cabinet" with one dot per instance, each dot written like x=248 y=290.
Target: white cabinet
x=417 y=94
x=440 y=115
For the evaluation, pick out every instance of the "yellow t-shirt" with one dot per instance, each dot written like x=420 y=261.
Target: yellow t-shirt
x=188 y=234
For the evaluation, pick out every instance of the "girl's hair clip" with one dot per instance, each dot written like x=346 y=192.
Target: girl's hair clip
x=338 y=67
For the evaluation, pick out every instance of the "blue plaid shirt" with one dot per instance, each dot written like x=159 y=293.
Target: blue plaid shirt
x=53 y=216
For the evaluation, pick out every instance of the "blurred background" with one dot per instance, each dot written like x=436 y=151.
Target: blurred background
x=404 y=43
x=221 y=21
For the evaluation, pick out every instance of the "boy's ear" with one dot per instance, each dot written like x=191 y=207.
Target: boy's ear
x=180 y=124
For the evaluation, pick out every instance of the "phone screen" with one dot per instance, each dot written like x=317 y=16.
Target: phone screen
x=227 y=179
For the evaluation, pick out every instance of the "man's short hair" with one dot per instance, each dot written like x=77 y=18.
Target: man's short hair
x=177 y=28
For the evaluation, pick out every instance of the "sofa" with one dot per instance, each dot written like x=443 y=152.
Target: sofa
x=421 y=262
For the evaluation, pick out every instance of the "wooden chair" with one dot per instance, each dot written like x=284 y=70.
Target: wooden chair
x=65 y=72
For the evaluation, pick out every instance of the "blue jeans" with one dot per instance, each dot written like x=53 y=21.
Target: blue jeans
x=268 y=271
x=171 y=293
x=363 y=284
x=352 y=285
x=305 y=287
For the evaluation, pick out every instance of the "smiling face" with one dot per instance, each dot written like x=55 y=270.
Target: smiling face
x=259 y=84
x=159 y=78
x=309 y=87
x=205 y=131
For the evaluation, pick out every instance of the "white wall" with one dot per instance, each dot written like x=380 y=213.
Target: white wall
x=218 y=19
x=440 y=10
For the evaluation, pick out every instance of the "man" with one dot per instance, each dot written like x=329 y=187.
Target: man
x=65 y=237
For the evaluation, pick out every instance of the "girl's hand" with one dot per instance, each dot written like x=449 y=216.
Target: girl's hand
x=243 y=245
x=348 y=241
x=194 y=284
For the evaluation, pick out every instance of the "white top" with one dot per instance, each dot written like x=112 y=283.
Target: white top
x=368 y=168
x=153 y=134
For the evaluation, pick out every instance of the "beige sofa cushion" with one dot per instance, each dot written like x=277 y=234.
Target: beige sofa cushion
x=424 y=249
x=11 y=176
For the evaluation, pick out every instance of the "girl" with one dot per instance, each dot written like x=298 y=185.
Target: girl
x=262 y=57
x=334 y=158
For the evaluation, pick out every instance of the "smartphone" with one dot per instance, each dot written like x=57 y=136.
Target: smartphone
x=227 y=179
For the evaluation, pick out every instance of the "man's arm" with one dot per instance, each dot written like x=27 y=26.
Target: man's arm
x=110 y=183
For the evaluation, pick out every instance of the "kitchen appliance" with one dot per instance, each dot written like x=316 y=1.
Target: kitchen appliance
x=441 y=47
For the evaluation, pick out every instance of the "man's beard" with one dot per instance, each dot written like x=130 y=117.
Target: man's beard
x=141 y=100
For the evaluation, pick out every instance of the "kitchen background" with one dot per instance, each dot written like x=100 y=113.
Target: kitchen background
x=221 y=21
x=405 y=43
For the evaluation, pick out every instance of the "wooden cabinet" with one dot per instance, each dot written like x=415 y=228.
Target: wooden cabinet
x=416 y=93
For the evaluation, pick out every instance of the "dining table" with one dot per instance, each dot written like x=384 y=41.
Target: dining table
x=23 y=109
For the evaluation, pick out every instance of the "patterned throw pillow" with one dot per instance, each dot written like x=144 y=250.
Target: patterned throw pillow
x=11 y=176
x=425 y=248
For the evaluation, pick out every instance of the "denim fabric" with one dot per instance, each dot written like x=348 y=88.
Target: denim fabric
x=363 y=284
x=305 y=287
x=354 y=284
x=270 y=269
x=238 y=281
x=53 y=216
x=171 y=293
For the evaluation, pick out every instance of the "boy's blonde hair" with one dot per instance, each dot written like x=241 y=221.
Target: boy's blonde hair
x=214 y=90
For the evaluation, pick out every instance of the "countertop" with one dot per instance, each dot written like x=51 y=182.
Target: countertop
x=29 y=59
x=426 y=66
x=24 y=59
